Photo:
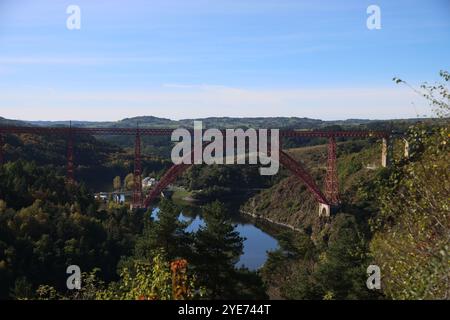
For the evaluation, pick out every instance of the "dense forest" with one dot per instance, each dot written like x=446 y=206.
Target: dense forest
x=51 y=225
x=397 y=218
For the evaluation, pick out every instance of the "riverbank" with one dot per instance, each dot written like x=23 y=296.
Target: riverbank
x=181 y=194
x=258 y=217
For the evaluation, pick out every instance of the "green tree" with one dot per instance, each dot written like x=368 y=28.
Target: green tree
x=411 y=243
x=145 y=281
x=117 y=183
x=165 y=233
x=129 y=181
x=336 y=271
x=153 y=280
x=341 y=270
x=48 y=225
x=218 y=248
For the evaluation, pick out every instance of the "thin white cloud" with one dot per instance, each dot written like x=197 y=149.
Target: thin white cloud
x=45 y=60
x=193 y=101
x=83 y=60
x=195 y=86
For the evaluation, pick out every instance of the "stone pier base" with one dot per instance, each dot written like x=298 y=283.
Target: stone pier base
x=386 y=153
x=324 y=210
x=406 y=151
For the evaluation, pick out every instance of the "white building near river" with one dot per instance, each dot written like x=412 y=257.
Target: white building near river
x=148 y=182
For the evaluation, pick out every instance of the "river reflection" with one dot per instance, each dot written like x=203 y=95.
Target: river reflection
x=256 y=243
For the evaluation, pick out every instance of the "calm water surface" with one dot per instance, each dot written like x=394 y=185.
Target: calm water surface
x=256 y=243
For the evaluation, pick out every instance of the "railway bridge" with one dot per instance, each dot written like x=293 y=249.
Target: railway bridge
x=327 y=199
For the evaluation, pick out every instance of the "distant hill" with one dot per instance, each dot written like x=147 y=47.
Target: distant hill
x=212 y=122
x=8 y=122
x=258 y=122
x=220 y=122
x=143 y=122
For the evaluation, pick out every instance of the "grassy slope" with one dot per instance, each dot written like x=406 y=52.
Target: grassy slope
x=289 y=202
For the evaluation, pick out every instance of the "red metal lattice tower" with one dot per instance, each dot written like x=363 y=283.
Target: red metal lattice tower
x=331 y=180
x=137 y=183
x=70 y=157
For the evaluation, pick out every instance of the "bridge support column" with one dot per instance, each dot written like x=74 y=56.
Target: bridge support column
x=137 y=182
x=324 y=210
x=70 y=167
x=386 y=152
x=406 y=150
x=331 y=180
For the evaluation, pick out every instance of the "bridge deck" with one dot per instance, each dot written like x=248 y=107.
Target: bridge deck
x=63 y=131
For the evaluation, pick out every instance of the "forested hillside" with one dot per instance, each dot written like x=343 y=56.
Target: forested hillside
x=96 y=161
x=397 y=218
x=47 y=225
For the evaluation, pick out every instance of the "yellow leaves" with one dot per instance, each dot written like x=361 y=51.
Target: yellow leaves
x=409 y=246
x=180 y=290
x=157 y=280
x=45 y=292
x=3 y=206
x=323 y=257
x=412 y=259
x=328 y=296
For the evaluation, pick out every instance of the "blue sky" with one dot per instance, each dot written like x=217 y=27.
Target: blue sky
x=198 y=58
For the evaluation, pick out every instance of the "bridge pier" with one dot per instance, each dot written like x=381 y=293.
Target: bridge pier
x=406 y=150
x=386 y=152
x=331 y=181
x=326 y=210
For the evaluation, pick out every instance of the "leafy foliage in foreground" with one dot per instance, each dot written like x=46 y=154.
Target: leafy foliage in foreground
x=411 y=240
x=335 y=269
x=40 y=237
x=400 y=221
x=157 y=280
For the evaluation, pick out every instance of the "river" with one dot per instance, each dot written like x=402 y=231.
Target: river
x=256 y=243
